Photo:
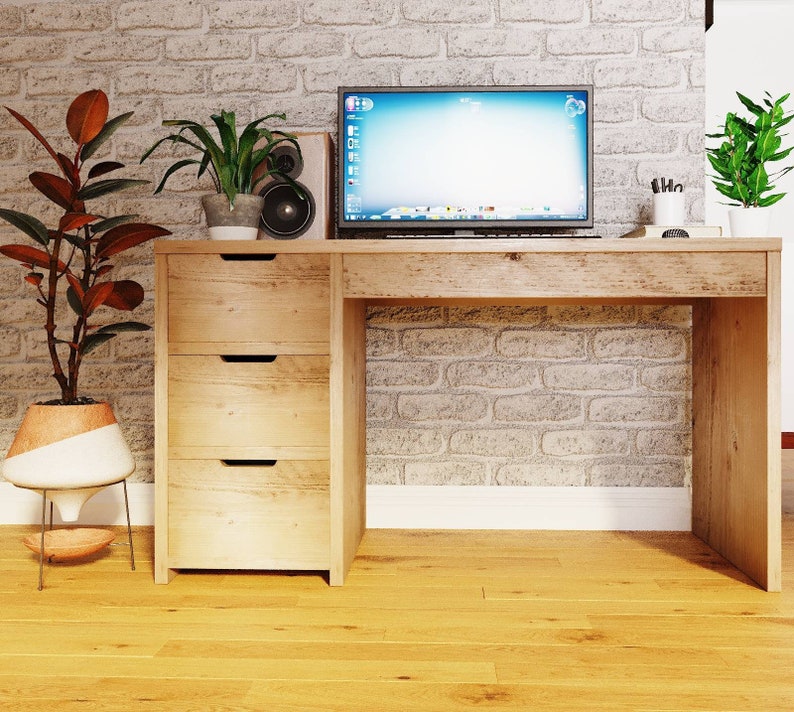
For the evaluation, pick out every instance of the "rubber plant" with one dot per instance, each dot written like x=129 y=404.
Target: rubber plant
x=70 y=261
x=744 y=149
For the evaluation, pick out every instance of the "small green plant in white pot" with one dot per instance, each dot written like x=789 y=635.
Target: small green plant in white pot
x=236 y=164
x=740 y=161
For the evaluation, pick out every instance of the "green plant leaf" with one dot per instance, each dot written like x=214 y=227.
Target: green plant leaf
x=31 y=226
x=92 y=341
x=123 y=326
x=104 y=187
x=108 y=223
x=74 y=299
x=90 y=148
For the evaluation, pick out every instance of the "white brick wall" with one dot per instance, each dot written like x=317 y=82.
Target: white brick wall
x=562 y=395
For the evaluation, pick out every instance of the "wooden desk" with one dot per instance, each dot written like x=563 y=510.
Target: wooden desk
x=733 y=286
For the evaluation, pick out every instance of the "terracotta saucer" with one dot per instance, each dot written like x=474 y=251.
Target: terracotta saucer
x=70 y=543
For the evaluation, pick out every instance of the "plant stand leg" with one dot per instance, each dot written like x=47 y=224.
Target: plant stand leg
x=129 y=526
x=41 y=548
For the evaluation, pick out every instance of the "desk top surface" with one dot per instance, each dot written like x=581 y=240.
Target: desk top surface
x=472 y=245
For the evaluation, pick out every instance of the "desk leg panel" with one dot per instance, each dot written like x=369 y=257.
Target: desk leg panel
x=735 y=481
x=348 y=426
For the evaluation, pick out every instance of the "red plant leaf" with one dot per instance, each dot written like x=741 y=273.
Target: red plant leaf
x=126 y=295
x=57 y=189
x=87 y=115
x=122 y=237
x=74 y=221
x=75 y=284
x=28 y=255
x=30 y=127
x=68 y=168
x=96 y=296
x=103 y=270
x=34 y=278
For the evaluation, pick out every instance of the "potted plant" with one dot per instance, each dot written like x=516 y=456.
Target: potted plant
x=740 y=161
x=74 y=442
x=237 y=166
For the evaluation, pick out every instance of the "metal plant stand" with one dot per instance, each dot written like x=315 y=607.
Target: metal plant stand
x=43 y=528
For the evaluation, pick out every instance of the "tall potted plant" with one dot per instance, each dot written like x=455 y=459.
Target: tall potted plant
x=740 y=161
x=236 y=164
x=74 y=442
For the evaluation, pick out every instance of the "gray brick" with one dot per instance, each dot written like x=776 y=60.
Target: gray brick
x=414 y=43
x=635 y=72
x=630 y=409
x=463 y=11
x=328 y=76
x=460 y=341
x=538 y=408
x=453 y=72
x=589 y=377
x=527 y=71
x=497 y=374
x=668 y=39
x=587 y=315
x=401 y=373
x=492 y=42
x=10 y=341
x=441 y=406
x=446 y=473
x=570 y=443
x=161 y=15
x=645 y=11
x=541 y=344
x=542 y=474
x=10 y=18
x=159 y=80
x=504 y=315
x=381 y=342
x=120 y=49
x=593 y=40
x=56 y=81
x=353 y=12
x=384 y=472
x=10 y=81
x=643 y=138
x=241 y=78
x=645 y=343
x=217 y=47
x=64 y=17
x=511 y=442
x=673 y=108
x=252 y=14
x=638 y=475
x=302 y=44
x=30 y=49
x=403 y=441
x=673 y=378
x=542 y=11
x=664 y=442
x=394 y=316
x=380 y=406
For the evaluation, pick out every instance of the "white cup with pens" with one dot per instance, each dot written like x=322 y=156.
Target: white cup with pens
x=669 y=206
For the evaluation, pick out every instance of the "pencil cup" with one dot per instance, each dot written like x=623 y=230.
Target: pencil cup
x=669 y=208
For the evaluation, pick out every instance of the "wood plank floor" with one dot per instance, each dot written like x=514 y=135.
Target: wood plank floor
x=430 y=621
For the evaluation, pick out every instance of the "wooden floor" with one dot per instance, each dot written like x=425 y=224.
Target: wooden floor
x=431 y=621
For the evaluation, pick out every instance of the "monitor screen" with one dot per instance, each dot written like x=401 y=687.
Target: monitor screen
x=469 y=158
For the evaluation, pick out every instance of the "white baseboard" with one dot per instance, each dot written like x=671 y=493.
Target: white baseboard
x=431 y=507
x=578 y=508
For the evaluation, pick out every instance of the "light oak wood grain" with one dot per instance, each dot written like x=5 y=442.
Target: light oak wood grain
x=605 y=621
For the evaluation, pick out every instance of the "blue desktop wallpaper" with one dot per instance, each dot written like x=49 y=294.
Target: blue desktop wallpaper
x=502 y=155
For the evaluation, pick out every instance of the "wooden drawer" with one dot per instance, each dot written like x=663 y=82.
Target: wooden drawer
x=226 y=402
x=271 y=299
x=251 y=516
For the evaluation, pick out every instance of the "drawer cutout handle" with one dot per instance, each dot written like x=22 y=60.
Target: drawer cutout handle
x=249 y=463
x=249 y=358
x=248 y=257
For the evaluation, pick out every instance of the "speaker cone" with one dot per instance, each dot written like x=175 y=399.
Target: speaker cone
x=285 y=214
x=285 y=157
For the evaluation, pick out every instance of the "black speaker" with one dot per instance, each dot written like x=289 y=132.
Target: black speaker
x=287 y=215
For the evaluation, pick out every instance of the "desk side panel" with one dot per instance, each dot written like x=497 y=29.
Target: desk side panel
x=348 y=426
x=733 y=466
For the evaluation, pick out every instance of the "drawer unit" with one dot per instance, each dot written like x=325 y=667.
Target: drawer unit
x=238 y=514
x=280 y=300
x=230 y=401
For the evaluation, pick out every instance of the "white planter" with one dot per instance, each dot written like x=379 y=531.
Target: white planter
x=749 y=222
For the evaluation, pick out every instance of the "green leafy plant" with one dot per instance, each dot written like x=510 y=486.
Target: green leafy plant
x=75 y=254
x=744 y=150
x=235 y=165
